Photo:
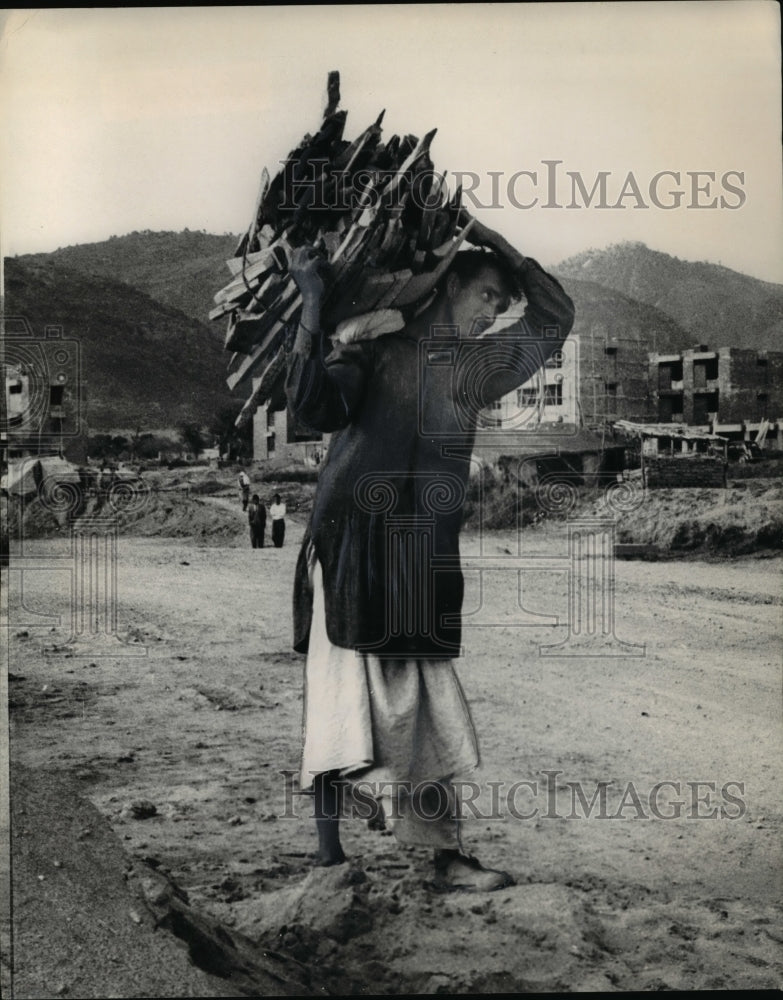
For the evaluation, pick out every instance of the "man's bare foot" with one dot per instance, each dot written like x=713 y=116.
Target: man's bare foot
x=455 y=870
x=326 y=860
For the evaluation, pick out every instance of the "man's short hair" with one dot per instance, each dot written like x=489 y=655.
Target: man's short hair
x=467 y=264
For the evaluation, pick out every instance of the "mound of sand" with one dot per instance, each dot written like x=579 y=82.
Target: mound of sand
x=198 y=503
x=204 y=504
x=745 y=518
x=85 y=915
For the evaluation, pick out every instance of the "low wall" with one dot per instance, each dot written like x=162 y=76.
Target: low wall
x=685 y=471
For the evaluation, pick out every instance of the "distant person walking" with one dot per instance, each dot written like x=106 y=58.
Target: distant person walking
x=277 y=512
x=244 y=488
x=256 y=516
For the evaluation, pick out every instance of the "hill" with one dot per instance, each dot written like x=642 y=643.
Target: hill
x=183 y=270
x=151 y=356
x=604 y=314
x=144 y=364
x=718 y=306
x=708 y=303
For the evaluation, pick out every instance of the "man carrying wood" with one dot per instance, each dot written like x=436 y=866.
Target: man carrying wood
x=379 y=589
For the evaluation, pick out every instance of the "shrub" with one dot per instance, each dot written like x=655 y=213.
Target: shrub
x=296 y=474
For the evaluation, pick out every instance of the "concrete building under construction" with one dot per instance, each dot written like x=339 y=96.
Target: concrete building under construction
x=597 y=381
x=730 y=390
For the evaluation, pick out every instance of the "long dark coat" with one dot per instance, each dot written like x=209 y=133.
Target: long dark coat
x=388 y=506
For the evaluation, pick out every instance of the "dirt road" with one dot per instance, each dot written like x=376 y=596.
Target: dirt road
x=194 y=721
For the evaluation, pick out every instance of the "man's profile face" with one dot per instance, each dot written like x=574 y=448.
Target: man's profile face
x=477 y=302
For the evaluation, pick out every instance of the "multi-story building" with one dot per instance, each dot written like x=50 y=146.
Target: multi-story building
x=729 y=390
x=597 y=379
x=550 y=397
x=602 y=378
x=42 y=390
x=37 y=415
x=276 y=436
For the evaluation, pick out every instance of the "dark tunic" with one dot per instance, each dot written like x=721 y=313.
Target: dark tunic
x=256 y=515
x=388 y=506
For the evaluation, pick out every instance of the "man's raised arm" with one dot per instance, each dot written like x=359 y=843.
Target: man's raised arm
x=546 y=322
x=322 y=392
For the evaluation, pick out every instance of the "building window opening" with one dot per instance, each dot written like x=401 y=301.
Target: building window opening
x=670 y=409
x=553 y=395
x=556 y=360
x=527 y=396
x=705 y=406
x=704 y=371
x=669 y=372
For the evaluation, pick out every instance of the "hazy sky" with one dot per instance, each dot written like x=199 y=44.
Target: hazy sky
x=116 y=120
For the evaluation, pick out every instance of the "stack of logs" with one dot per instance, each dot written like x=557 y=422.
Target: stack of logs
x=382 y=217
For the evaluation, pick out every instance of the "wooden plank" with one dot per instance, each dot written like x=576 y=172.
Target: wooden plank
x=241 y=246
x=419 y=150
x=248 y=280
x=422 y=284
x=392 y=241
x=244 y=282
x=343 y=164
x=262 y=387
x=366 y=298
x=401 y=279
x=247 y=329
x=355 y=227
x=428 y=217
x=332 y=93
x=252 y=362
x=235 y=264
x=269 y=292
x=222 y=310
x=266 y=287
x=263 y=190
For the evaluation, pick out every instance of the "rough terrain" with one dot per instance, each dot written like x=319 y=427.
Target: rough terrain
x=182 y=729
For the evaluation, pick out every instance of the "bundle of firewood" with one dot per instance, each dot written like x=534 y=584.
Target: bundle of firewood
x=385 y=222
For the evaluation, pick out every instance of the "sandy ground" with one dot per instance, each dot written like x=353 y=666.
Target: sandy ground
x=183 y=730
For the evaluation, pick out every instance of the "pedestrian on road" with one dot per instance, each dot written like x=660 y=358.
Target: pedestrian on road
x=244 y=488
x=256 y=516
x=277 y=512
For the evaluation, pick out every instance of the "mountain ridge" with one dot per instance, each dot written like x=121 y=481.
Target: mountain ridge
x=183 y=270
x=144 y=363
x=719 y=306
x=139 y=304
